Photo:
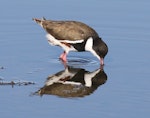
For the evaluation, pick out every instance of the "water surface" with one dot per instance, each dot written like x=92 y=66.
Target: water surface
x=25 y=55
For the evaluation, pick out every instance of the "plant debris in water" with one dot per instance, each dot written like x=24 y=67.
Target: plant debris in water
x=18 y=83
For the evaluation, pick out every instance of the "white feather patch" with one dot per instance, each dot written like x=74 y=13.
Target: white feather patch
x=72 y=42
x=53 y=41
x=89 y=47
x=57 y=78
x=89 y=44
x=88 y=78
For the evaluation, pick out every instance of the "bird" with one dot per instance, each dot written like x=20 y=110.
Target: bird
x=73 y=35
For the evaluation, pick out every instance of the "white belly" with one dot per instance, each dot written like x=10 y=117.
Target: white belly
x=53 y=41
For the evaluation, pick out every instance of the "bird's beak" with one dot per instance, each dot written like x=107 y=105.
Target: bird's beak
x=102 y=61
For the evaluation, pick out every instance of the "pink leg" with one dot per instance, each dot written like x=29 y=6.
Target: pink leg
x=63 y=56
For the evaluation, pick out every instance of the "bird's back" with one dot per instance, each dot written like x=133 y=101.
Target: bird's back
x=68 y=30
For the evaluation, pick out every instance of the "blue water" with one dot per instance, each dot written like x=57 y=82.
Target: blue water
x=25 y=55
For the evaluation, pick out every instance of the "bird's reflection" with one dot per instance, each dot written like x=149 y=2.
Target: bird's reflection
x=73 y=82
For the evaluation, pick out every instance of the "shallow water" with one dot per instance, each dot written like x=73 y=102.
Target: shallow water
x=123 y=90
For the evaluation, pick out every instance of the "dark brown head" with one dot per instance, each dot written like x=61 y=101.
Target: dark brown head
x=101 y=49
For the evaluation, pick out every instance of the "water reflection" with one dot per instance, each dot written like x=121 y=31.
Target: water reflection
x=73 y=82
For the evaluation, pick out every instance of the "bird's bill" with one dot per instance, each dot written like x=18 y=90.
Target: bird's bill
x=102 y=61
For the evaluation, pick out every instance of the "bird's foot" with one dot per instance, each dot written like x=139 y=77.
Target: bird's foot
x=63 y=57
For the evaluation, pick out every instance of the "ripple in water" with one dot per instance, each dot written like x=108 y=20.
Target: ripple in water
x=78 y=61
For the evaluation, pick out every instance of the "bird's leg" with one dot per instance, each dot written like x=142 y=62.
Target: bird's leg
x=63 y=56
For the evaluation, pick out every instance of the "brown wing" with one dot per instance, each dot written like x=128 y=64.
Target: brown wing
x=69 y=30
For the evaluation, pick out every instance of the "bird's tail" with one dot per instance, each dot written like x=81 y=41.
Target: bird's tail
x=39 y=21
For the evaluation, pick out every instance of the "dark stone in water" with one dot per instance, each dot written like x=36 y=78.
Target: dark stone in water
x=2 y=67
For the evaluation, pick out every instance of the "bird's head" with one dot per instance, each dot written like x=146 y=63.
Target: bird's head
x=101 y=49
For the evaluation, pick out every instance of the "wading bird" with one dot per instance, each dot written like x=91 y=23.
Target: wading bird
x=73 y=36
